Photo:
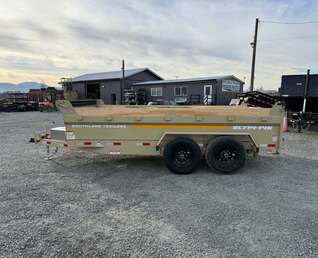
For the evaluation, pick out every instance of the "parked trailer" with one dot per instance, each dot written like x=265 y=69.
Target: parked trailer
x=223 y=135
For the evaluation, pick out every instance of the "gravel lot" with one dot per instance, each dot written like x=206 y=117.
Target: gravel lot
x=87 y=206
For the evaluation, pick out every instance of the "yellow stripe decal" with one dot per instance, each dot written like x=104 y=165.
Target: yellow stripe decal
x=177 y=126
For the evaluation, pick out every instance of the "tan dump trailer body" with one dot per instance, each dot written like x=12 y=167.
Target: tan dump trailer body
x=181 y=134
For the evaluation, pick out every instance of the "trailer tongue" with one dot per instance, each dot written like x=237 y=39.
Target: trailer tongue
x=224 y=135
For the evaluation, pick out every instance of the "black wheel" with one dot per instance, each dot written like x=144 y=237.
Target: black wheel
x=305 y=126
x=182 y=155
x=225 y=154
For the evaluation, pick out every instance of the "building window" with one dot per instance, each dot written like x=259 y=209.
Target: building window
x=156 y=92
x=181 y=91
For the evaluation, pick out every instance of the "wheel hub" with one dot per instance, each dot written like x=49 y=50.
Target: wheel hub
x=183 y=156
x=226 y=155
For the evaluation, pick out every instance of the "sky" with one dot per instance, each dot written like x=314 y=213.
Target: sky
x=42 y=40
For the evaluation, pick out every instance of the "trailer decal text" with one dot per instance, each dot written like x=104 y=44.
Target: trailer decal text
x=101 y=126
x=252 y=127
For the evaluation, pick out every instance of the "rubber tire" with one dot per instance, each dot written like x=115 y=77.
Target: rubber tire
x=305 y=126
x=219 y=142
x=172 y=146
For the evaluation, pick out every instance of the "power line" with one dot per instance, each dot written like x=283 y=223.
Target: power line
x=290 y=23
x=289 y=38
x=254 y=43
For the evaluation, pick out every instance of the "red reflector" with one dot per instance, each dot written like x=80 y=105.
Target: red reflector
x=87 y=143
x=271 y=145
x=146 y=144
x=116 y=143
x=48 y=142
x=65 y=145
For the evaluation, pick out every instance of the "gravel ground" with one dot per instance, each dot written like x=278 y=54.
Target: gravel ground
x=88 y=206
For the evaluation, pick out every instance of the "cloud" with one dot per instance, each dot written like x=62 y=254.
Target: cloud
x=175 y=38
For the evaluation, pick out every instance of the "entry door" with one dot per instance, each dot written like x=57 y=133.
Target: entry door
x=93 y=91
x=208 y=95
x=113 y=99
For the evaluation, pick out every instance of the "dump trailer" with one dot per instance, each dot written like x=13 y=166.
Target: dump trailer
x=184 y=136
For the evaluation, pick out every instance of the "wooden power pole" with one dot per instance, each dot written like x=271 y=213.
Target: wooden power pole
x=122 y=82
x=306 y=90
x=253 y=44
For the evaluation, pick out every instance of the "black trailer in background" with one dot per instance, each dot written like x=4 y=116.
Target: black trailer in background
x=299 y=89
x=300 y=96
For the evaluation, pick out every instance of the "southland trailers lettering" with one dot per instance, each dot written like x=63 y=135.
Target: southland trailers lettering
x=253 y=127
x=101 y=126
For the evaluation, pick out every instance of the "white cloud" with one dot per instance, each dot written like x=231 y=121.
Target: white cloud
x=175 y=38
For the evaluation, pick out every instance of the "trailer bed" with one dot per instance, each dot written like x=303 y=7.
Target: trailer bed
x=162 y=111
x=149 y=130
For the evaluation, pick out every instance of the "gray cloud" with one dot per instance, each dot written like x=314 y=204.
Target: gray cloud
x=15 y=43
x=41 y=30
x=167 y=45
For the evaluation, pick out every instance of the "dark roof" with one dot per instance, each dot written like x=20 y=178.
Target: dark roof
x=110 y=75
x=287 y=75
x=224 y=77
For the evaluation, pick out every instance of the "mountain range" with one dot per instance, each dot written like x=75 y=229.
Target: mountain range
x=21 y=87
